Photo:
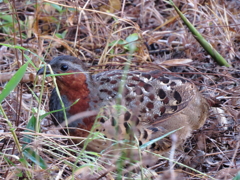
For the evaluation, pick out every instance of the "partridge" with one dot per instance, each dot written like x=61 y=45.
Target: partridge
x=151 y=104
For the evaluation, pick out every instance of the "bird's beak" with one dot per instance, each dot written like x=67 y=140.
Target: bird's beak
x=41 y=71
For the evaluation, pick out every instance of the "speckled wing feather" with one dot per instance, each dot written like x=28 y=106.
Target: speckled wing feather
x=150 y=95
x=155 y=105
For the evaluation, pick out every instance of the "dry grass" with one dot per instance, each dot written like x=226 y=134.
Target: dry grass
x=84 y=29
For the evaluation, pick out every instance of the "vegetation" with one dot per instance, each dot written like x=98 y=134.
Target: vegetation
x=114 y=34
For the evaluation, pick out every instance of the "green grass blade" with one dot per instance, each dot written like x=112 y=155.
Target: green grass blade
x=214 y=54
x=8 y=161
x=13 y=82
x=21 y=48
x=157 y=139
x=34 y=157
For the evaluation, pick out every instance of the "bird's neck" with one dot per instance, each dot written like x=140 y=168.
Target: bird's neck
x=76 y=87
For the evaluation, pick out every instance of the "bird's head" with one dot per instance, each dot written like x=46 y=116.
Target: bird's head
x=70 y=72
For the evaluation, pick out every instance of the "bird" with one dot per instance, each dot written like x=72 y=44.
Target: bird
x=138 y=105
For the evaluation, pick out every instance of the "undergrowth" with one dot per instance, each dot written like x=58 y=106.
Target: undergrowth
x=135 y=35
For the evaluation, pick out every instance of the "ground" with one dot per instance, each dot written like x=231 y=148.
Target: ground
x=98 y=32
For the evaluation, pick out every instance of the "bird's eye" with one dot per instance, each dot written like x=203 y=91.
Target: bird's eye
x=64 y=67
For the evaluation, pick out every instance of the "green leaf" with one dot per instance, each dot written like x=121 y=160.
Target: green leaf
x=237 y=177
x=19 y=174
x=61 y=35
x=31 y=126
x=13 y=82
x=23 y=161
x=132 y=43
x=34 y=157
x=64 y=33
x=58 y=35
x=7 y=18
x=117 y=42
x=57 y=7
x=132 y=37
